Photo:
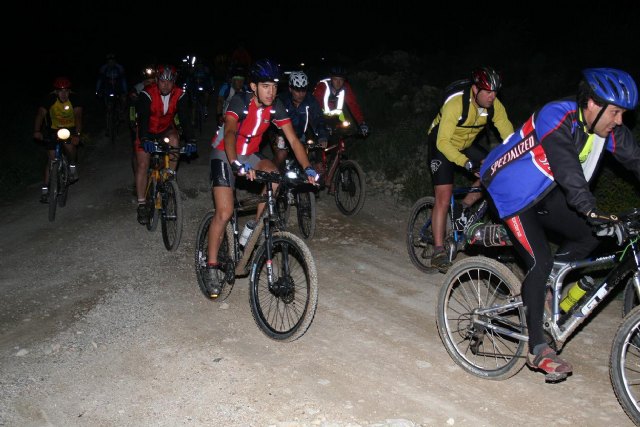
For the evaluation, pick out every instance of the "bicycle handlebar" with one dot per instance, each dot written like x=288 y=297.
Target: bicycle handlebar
x=161 y=147
x=277 y=177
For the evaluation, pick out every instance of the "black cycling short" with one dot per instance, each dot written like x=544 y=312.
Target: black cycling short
x=442 y=168
x=220 y=170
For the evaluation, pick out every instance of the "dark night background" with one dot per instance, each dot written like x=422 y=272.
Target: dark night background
x=539 y=49
x=74 y=40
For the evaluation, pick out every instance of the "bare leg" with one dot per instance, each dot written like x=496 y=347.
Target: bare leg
x=471 y=198
x=142 y=168
x=439 y=214
x=223 y=197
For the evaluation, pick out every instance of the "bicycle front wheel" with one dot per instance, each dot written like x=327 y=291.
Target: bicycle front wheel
x=350 y=187
x=285 y=309
x=171 y=216
x=491 y=351
x=225 y=257
x=152 y=194
x=420 y=241
x=306 y=210
x=63 y=183
x=623 y=365
x=54 y=187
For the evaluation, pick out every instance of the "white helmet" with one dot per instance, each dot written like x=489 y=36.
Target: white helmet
x=298 y=79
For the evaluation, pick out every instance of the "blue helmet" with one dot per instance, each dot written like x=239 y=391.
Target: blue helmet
x=613 y=86
x=264 y=70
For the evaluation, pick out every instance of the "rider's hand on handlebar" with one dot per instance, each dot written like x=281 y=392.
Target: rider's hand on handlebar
x=241 y=169
x=190 y=147
x=473 y=167
x=614 y=229
x=148 y=145
x=595 y=217
x=312 y=175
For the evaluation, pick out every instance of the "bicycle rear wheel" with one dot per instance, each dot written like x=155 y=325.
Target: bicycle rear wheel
x=623 y=365
x=54 y=182
x=171 y=216
x=283 y=210
x=350 y=187
x=630 y=297
x=284 y=311
x=306 y=211
x=471 y=284
x=225 y=257
x=152 y=194
x=420 y=241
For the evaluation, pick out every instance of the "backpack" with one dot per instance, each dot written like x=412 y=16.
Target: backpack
x=463 y=85
x=220 y=134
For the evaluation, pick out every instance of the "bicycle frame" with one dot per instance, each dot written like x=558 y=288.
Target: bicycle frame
x=331 y=161
x=561 y=326
x=479 y=212
x=263 y=228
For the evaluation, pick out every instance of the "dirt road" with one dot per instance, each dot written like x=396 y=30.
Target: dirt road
x=101 y=326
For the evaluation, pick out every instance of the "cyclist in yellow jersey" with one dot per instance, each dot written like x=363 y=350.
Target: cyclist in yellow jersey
x=61 y=109
x=452 y=133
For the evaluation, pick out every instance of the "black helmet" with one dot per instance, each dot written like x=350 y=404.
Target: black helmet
x=486 y=78
x=338 y=71
x=264 y=70
x=237 y=72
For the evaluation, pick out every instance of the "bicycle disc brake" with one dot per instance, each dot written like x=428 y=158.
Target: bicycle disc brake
x=284 y=289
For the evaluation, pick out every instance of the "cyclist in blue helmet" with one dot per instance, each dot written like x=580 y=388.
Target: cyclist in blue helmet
x=539 y=181
x=236 y=151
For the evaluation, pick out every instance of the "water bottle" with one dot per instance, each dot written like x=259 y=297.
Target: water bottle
x=246 y=232
x=577 y=291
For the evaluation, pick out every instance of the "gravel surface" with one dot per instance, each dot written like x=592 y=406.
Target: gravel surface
x=101 y=326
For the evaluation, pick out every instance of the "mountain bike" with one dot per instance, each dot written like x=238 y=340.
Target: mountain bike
x=114 y=111
x=481 y=319
x=198 y=108
x=283 y=280
x=475 y=229
x=343 y=178
x=59 y=180
x=162 y=195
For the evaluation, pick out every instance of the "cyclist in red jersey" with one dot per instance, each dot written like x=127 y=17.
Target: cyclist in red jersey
x=246 y=119
x=157 y=107
x=334 y=94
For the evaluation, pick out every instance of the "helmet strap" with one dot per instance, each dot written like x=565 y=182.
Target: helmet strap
x=595 y=121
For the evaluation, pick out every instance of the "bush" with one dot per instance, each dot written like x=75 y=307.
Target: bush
x=400 y=98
